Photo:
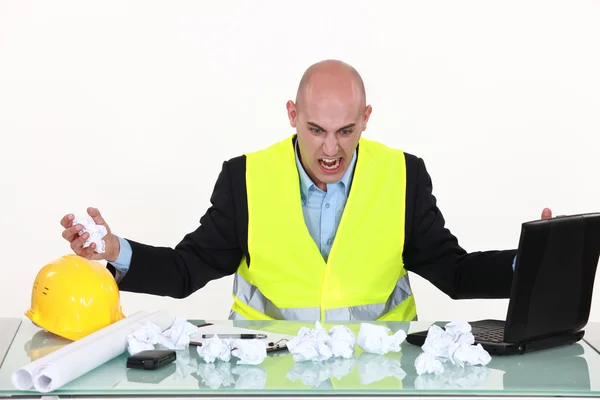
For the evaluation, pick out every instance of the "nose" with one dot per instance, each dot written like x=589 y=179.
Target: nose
x=330 y=146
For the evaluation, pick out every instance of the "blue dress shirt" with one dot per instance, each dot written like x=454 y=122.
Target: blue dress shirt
x=323 y=210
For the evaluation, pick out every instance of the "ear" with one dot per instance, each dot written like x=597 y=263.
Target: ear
x=366 y=116
x=292 y=114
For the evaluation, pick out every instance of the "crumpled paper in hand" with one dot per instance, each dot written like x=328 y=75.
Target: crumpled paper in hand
x=377 y=339
x=454 y=344
x=319 y=345
x=252 y=352
x=177 y=337
x=96 y=232
x=215 y=348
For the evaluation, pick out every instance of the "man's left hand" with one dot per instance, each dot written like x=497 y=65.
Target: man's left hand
x=547 y=213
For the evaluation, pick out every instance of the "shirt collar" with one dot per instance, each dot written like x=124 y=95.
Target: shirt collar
x=306 y=183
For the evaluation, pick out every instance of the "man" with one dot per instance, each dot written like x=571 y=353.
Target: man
x=276 y=212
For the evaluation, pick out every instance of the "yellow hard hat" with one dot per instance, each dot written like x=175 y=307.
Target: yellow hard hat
x=73 y=297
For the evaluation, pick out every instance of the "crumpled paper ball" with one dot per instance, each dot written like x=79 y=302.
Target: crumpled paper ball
x=319 y=345
x=147 y=337
x=454 y=344
x=214 y=349
x=377 y=339
x=250 y=352
x=96 y=232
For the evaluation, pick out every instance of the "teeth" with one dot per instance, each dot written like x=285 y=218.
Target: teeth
x=330 y=163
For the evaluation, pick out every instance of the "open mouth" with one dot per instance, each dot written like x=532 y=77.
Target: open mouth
x=330 y=165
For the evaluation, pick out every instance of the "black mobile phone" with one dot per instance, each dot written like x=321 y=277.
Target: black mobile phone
x=151 y=359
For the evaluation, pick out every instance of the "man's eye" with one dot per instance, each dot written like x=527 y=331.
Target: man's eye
x=315 y=130
x=347 y=131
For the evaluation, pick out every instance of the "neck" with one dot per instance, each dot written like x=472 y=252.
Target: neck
x=318 y=183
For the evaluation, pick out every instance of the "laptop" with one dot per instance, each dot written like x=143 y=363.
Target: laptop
x=552 y=287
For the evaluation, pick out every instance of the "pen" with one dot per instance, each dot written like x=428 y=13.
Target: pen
x=236 y=336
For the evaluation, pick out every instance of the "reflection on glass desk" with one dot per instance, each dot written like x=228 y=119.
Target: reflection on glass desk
x=570 y=371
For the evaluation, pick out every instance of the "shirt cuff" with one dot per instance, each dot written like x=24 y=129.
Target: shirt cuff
x=124 y=260
x=514 y=262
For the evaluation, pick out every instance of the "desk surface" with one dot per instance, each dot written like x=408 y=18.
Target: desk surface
x=570 y=371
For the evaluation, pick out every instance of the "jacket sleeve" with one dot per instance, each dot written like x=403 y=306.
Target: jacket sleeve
x=211 y=252
x=433 y=252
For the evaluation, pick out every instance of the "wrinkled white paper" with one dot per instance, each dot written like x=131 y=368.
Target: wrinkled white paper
x=377 y=339
x=252 y=352
x=454 y=344
x=311 y=344
x=319 y=345
x=97 y=232
x=342 y=341
x=215 y=348
x=470 y=355
x=177 y=337
x=459 y=328
x=180 y=333
x=143 y=338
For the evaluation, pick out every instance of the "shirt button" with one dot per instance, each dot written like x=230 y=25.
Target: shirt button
x=327 y=205
x=329 y=242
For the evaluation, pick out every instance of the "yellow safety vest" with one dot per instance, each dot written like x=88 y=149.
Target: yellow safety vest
x=288 y=279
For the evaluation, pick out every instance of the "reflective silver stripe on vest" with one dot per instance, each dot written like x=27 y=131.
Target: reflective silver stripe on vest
x=236 y=316
x=371 y=312
x=250 y=295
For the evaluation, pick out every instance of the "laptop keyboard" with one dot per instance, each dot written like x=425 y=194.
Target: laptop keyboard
x=489 y=335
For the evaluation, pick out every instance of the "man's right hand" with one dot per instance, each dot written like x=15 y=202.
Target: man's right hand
x=71 y=234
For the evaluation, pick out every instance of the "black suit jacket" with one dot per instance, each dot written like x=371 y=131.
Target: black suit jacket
x=216 y=247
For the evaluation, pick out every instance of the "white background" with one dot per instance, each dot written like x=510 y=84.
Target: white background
x=131 y=107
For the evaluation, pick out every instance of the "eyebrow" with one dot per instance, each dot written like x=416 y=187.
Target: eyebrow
x=342 y=128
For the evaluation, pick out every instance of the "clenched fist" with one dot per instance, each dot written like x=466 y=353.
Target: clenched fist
x=71 y=234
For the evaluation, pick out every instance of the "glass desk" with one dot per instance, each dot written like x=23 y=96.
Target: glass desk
x=571 y=371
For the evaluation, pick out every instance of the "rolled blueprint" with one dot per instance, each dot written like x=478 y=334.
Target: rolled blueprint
x=23 y=378
x=74 y=364
x=53 y=373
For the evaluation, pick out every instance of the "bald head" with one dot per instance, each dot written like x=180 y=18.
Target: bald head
x=331 y=80
x=329 y=115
